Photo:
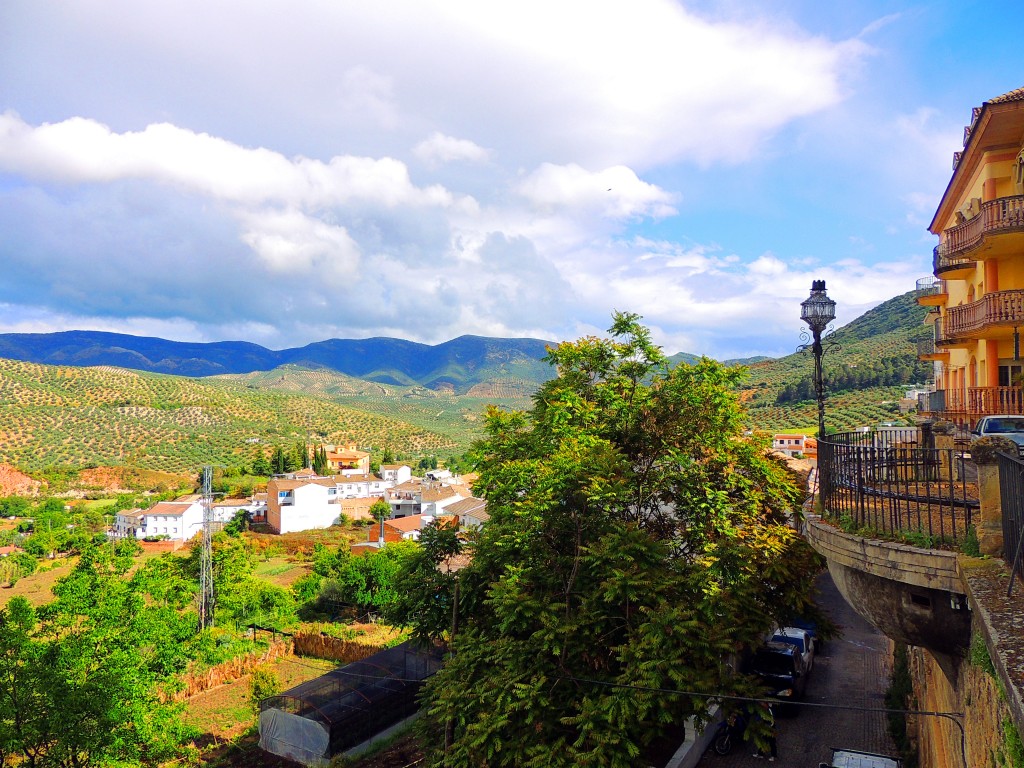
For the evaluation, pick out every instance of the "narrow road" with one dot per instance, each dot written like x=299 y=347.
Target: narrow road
x=851 y=670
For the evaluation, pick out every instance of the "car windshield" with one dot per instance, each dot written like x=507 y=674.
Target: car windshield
x=1002 y=426
x=796 y=642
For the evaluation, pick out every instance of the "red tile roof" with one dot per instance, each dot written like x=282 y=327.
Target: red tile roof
x=1017 y=94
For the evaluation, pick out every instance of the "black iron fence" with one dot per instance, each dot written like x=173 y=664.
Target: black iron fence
x=1011 y=492
x=890 y=483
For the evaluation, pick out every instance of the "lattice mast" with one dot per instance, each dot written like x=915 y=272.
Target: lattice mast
x=206 y=597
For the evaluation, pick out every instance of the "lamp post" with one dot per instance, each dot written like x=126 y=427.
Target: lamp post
x=818 y=311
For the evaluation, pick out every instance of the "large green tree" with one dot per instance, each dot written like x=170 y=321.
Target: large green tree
x=79 y=676
x=637 y=541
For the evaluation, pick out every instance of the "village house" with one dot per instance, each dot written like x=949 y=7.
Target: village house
x=416 y=497
x=301 y=504
x=302 y=500
x=403 y=529
x=396 y=473
x=347 y=459
x=470 y=513
x=790 y=444
x=176 y=520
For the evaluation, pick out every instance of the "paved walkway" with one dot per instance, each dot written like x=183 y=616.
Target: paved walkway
x=852 y=670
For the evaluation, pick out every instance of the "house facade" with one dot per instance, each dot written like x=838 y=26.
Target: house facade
x=301 y=504
x=415 y=497
x=976 y=291
x=789 y=444
x=471 y=513
x=347 y=459
x=177 y=520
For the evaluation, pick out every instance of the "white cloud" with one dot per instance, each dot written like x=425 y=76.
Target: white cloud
x=615 y=192
x=332 y=169
x=438 y=149
x=595 y=83
x=289 y=240
x=83 y=151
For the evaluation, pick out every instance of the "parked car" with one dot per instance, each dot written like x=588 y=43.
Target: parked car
x=799 y=639
x=852 y=758
x=781 y=668
x=1004 y=426
x=811 y=627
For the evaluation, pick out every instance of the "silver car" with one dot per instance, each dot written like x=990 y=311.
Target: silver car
x=1004 y=425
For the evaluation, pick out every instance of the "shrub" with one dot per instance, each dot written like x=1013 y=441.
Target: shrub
x=263 y=684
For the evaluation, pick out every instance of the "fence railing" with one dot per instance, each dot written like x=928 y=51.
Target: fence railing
x=889 y=483
x=1011 y=493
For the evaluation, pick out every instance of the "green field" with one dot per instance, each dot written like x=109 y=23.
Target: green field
x=55 y=416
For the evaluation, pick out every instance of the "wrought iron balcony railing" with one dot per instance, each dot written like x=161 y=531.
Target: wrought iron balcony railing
x=930 y=286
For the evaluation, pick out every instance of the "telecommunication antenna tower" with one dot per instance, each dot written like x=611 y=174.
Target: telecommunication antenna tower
x=206 y=597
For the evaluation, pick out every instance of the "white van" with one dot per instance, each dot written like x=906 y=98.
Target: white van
x=852 y=758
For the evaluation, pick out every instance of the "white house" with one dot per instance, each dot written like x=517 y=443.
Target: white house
x=417 y=498
x=178 y=520
x=790 y=444
x=299 y=505
x=361 y=486
x=396 y=473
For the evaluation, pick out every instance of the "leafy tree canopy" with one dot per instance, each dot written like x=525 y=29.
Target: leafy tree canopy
x=78 y=677
x=637 y=540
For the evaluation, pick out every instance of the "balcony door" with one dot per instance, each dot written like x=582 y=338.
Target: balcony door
x=1011 y=374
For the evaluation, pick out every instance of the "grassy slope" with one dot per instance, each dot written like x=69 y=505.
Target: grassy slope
x=63 y=416
x=890 y=329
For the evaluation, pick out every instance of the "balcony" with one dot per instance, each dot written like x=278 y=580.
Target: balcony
x=926 y=350
x=943 y=339
x=976 y=238
x=966 y=407
x=997 y=310
x=931 y=292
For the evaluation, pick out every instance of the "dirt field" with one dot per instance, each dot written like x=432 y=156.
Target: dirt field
x=223 y=713
x=37 y=588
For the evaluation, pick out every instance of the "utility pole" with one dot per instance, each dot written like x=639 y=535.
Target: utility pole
x=206 y=597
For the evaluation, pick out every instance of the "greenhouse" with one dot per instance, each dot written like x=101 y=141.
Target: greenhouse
x=321 y=718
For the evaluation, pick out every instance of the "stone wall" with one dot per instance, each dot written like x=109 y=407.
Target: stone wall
x=975 y=693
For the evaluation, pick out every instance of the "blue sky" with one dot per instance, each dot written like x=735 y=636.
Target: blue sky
x=288 y=172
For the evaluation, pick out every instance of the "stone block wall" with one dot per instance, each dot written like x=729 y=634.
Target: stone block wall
x=976 y=694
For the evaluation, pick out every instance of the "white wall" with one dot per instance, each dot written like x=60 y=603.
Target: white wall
x=309 y=511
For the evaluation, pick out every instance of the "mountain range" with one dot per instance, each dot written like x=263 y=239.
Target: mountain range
x=458 y=364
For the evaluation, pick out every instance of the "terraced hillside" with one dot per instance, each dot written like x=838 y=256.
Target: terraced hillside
x=63 y=416
x=81 y=417
x=441 y=411
x=880 y=345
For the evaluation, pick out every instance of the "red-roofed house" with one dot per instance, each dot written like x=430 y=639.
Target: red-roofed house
x=347 y=459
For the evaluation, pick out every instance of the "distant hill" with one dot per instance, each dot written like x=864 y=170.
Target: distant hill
x=458 y=365
x=867 y=364
x=72 y=416
x=60 y=417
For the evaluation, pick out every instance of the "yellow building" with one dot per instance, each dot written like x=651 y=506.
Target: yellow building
x=977 y=293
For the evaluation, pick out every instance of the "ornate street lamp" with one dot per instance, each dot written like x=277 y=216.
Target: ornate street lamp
x=817 y=311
